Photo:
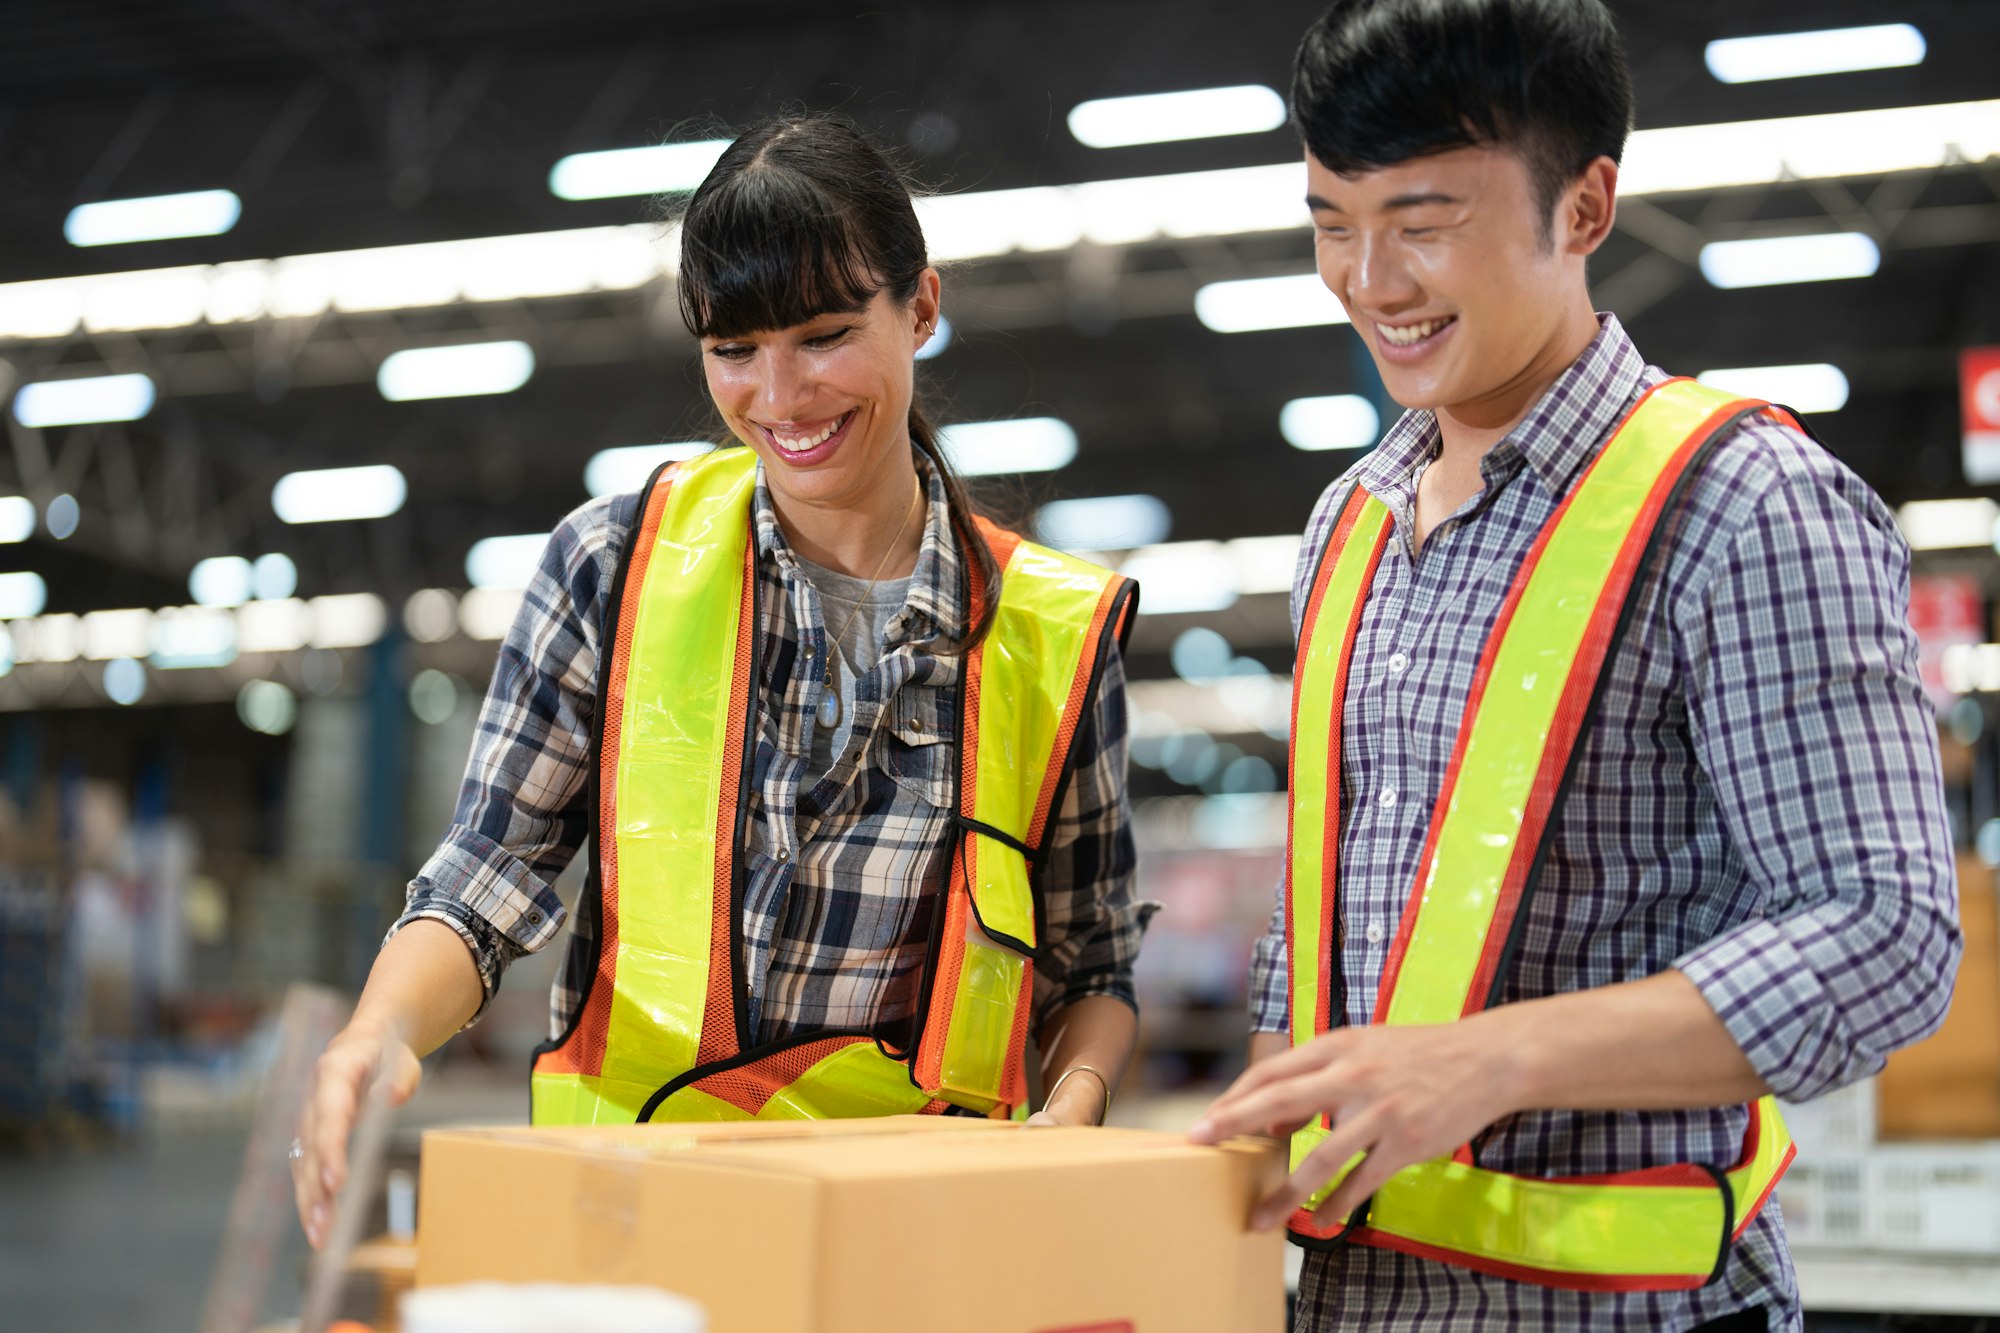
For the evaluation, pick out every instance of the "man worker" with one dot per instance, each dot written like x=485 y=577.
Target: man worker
x=1615 y=798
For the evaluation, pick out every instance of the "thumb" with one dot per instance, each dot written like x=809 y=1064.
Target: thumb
x=400 y=1073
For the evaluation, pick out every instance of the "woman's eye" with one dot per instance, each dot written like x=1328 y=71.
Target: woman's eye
x=730 y=352
x=826 y=339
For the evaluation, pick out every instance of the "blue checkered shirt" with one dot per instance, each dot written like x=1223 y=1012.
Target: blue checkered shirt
x=842 y=871
x=1758 y=805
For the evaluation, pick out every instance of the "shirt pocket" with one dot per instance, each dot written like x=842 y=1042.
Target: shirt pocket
x=917 y=752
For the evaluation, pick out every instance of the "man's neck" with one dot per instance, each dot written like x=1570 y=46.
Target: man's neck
x=1468 y=430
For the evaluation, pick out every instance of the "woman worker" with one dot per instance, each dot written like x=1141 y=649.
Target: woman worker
x=852 y=758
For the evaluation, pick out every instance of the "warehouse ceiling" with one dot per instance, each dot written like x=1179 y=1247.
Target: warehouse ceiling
x=358 y=123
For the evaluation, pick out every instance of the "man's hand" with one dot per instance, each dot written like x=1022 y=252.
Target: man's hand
x=1079 y=1101
x=1400 y=1095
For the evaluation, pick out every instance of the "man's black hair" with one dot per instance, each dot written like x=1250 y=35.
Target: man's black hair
x=1379 y=82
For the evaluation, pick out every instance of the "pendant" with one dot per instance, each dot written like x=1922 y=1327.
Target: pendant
x=829 y=702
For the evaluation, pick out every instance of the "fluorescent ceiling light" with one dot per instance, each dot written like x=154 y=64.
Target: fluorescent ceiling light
x=1203 y=113
x=1227 y=202
x=267 y=707
x=1792 y=55
x=110 y=634
x=49 y=639
x=17 y=519
x=1811 y=388
x=274 y=576
x=222 y=580
x=460 y=371
x=617 y=172
x=1296 y=301
x=185 y=637
x=488 y=613
x=281 y=626
x=156 y=218
x=1265 y=564
x=22 y=594
x=993 y=448
x=1104 y=523
x=74 y=402
x=1337 y=421
x=431 y=615
x=330 y=495
x=1184 y=577
x=124 y=680
x=1780 y=259
x=350 y=620
x=1943 y=525
x=505 y=562
x=1843 y=143
x=617 y=471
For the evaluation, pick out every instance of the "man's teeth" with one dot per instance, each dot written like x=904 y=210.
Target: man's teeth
x=798 y=444
x=1411 y=333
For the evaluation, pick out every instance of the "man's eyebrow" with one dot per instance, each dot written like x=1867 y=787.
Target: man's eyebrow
x=1319 y=205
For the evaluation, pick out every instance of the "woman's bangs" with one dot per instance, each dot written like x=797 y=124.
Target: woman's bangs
x=768 y=251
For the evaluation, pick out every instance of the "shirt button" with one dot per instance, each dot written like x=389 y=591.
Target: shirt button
x=1375 y=933
x=1397 y=664
x=1388 y=796
x=534 y=917
x=783 y=855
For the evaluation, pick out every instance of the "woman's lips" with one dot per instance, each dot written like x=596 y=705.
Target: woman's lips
x=824 y=444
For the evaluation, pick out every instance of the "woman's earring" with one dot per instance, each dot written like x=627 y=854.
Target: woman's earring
x=929 y=328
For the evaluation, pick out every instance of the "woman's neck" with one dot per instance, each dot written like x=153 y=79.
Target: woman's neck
x=878 y=535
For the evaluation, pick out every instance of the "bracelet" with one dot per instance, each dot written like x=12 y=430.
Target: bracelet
x=1102 y=1082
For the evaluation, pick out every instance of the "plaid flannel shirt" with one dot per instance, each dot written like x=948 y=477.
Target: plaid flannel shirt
x=1758 y=805
x=841 y=873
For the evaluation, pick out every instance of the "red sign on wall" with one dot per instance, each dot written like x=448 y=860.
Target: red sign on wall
x=1947 y=611
x=1979 y=397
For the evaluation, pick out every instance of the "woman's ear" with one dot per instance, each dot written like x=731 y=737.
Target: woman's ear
x=927 y=304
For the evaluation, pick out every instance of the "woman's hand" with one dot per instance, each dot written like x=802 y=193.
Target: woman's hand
x=362 y=1060
x=1077 y=1101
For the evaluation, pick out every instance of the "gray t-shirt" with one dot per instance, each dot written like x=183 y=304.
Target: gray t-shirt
x=857 y=651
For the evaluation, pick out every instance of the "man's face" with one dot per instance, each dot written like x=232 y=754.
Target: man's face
x=1443 y=265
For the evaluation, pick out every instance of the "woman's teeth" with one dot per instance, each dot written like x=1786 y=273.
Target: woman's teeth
x=798 y=444
x=1412 y=333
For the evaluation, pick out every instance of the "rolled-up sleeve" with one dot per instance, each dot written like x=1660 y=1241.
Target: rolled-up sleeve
x=1808 y=718
x=520 y=816
x=1094 y=920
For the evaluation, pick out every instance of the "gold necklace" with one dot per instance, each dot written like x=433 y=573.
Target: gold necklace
x=830 y=710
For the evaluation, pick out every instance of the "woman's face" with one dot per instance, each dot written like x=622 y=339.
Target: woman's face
x=826 y=403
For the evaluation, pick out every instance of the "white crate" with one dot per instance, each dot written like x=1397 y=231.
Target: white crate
x=1840 y=1122
x=1939 y=1198
x=1825 y=1200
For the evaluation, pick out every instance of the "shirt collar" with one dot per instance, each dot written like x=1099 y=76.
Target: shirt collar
x=937 y=595
x=1560 y=434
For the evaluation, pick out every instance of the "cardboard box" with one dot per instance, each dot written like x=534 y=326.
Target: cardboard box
x=908 y=1224
x=1948 y=1085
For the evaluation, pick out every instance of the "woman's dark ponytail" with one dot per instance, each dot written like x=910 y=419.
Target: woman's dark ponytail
x=970 y=539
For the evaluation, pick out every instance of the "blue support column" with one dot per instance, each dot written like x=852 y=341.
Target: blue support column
x=386 y=778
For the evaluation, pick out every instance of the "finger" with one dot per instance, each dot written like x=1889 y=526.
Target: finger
x=1382 y=1162
x=336 y=1098
x=1279 y=1108
x=401 y=1072
x=1228 y=1109
x=1335 y=1153
x=1042 y=1120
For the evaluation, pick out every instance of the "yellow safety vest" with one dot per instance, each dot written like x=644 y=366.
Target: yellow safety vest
x=1663 y=1228
x=663 y=1033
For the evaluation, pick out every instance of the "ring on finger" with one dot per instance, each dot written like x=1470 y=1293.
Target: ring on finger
x=296 y=1151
